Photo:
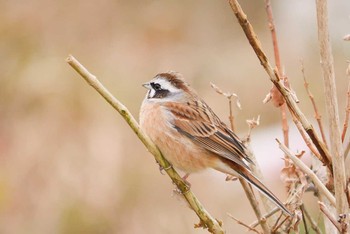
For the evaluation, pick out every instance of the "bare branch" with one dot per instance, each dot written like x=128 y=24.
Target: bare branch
x=275 y=79
x=255 y=204
x=246 y=187
x=309 y=172
x=306 y=138
x=329 y=215
x=336 y=146
x=277 y=94
x=243 y=224
x=317 y=115
x=206 y=219
x=314 y=225
x=347 y=110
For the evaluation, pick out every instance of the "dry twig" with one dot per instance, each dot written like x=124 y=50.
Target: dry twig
x=275 y=94
x=206 y=219
x=275 y=79
x=306 y=138
x=314 y=225
x=317 y=115
x=246 y=187
x=309 y=172
x=329 y=215
x=336 y=146
x=243 y=224
x=347 y=110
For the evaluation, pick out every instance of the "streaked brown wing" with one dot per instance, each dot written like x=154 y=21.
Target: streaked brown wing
x=198 y=122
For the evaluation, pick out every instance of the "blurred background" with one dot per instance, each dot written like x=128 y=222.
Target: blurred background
x=68 y=161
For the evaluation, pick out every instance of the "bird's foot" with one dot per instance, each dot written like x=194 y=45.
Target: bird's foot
x=161 y=169
x=188 y=185
x=231 y=178
x=184 y=178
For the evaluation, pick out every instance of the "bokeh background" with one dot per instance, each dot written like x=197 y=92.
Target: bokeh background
x=70 y=164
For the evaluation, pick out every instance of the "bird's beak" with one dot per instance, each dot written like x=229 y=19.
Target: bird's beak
x=147 y=85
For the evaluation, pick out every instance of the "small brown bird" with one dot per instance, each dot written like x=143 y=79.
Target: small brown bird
x=190 y=135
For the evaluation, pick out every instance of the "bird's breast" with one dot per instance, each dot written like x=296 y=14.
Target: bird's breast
x=157 y=122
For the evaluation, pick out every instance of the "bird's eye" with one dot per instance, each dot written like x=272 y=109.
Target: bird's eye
x=157 y=87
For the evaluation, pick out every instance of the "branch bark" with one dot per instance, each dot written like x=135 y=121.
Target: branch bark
x=207 y=221
x=331 y=107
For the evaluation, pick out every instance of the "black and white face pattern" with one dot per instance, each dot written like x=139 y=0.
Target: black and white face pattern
x=161 y=89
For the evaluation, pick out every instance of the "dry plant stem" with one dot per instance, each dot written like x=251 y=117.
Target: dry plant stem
x=231 y=117
x=272 y=212
x=206 y=219
x=317 y=115
x=314 y=225
x=243 y=224
x=347 y=111
x=279 y=224
x=329 y=215
x=304 y=221
x=247 y=188
x=275 y=79
x=309 y=172
x=285 y=127
x=256 y=169
x=306 y=138
x=346 y=151
x=331 y=106
x=264 y=217
x=255 y=205
x=273 y=34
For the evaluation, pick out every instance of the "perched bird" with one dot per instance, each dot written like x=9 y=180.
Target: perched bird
x=190 y=135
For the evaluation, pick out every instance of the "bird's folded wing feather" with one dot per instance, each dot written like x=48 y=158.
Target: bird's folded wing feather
x=199 y=123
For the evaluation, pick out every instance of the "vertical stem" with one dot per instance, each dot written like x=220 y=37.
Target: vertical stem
x=331 y=106
x=283 y=108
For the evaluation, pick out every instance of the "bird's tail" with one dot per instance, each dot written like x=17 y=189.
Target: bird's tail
x=253 y=180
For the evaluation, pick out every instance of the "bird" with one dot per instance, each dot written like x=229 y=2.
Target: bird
x=190 y=135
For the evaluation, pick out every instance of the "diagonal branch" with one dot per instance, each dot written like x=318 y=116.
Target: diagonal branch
x=206 y=220
x=317 y=115
x=309 y=172
x=275 y=79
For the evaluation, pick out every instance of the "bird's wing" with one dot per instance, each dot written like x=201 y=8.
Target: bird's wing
x=199 y=123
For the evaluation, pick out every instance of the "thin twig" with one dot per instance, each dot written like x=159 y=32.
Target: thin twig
x=255 y=204
x=264 y=217
x=272 y=27
x=309 y=172
x=280 y=224
x=304 y=220
x=276 y=225
x=243 y=224
x=336 y=146
x=314 y=225
x=290 y=199
x=306 y=138
x=346 y=151
x=275 y=79
x=246 y=187
x=317 y=115
x=206 y=219
x=347 y=110
x=328 y=214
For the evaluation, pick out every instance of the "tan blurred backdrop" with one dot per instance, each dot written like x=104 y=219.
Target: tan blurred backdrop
x=69 y=163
